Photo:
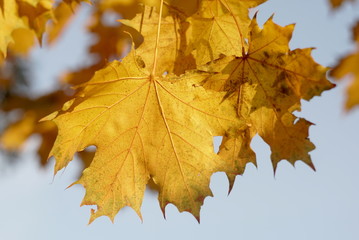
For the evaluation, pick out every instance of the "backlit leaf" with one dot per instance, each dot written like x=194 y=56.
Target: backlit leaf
x=144 y=127
x=219 y=28
x=268 y=84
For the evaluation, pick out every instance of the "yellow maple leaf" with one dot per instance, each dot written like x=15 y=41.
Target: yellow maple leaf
x=268 y=83
x=349 y=66
x=143 y=127
x=219 y=28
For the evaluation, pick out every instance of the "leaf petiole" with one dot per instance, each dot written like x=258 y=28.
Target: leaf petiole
x=153 y=73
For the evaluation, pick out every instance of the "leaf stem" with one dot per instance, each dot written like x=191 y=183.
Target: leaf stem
x=157 y=40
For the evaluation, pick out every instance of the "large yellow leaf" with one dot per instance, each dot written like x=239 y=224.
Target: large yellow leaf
x=268 y=83
x=144 y=127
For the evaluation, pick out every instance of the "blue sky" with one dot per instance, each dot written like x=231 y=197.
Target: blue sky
x=295 y=204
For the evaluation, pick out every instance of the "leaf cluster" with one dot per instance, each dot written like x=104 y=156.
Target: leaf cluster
x=170 y=76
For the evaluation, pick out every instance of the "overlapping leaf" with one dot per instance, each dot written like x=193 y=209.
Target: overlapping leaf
x=268 y=83
x=219 y=27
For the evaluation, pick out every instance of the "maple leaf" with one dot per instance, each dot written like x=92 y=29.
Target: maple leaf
x=349 y=66
x=219 y=28
x=268 y=83
x=143 y=127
